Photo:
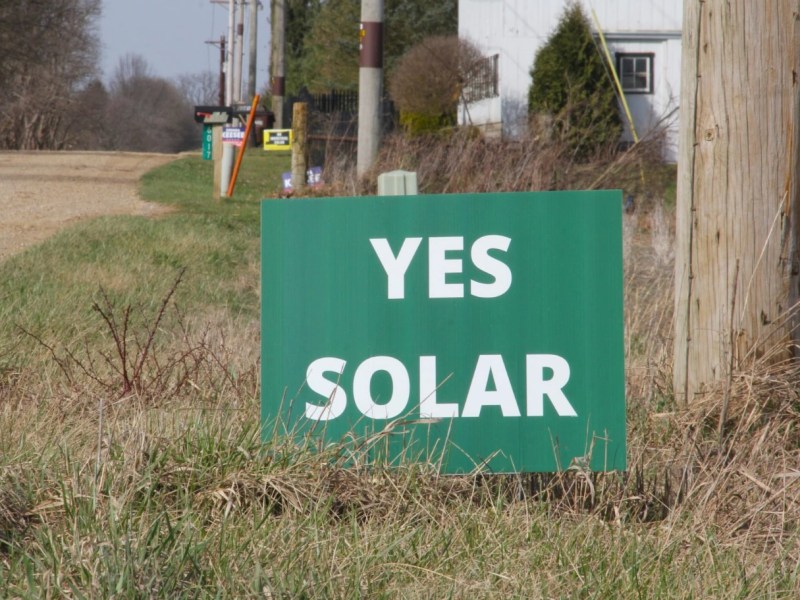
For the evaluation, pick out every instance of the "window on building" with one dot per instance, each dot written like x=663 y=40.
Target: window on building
x=635 y=73
x=481 y=80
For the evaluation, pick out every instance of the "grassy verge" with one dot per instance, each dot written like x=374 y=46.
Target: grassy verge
x=50 y=290
x=194 y=506
x=167 y=490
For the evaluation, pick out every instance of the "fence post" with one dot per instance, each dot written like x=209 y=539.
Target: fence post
x=299 y=146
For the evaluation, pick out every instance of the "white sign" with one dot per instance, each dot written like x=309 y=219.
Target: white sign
x=313 y=177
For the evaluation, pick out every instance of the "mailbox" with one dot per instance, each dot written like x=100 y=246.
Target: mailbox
x=212 y=115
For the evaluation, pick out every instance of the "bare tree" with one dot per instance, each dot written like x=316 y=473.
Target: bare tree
x=93 y=133
x=48 y=54
x=200 y=88
x=737 y=262
x=130 y=69
x=147 y=113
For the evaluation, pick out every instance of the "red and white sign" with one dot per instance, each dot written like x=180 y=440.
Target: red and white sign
x=233 y=135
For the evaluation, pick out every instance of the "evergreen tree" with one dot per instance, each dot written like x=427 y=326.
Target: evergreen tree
x=300 y=17
x=571 y=84
x=330 y=56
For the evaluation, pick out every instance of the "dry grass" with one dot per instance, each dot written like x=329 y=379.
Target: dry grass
x=462 y=161
x=105 y=495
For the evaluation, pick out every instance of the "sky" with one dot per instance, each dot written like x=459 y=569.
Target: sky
x=171 y=34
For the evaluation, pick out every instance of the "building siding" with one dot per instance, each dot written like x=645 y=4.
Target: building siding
x=516 y=29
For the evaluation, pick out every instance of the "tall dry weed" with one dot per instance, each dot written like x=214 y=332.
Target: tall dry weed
x=461 y=160
x=736 y=469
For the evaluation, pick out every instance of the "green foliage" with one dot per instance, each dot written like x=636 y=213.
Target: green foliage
x=408 y=22
x=300 y=16
x=329 y=55
x=330 y=58
x=570 y=83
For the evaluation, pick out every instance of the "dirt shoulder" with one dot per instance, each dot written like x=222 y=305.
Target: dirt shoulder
x=43 y=192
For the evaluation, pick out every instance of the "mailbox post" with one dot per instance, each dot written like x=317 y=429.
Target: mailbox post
x=215 y=117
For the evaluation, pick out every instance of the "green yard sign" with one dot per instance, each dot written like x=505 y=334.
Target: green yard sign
x=476 y=330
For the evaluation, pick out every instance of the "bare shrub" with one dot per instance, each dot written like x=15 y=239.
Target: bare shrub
x=141 y=359
x=461 y=160
x=427 y=82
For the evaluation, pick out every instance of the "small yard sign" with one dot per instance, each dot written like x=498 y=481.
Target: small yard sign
x=482 y=331
x=313 y=178
x=277 y=139
x=233 y=135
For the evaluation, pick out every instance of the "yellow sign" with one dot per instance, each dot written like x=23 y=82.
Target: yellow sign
x=277 y=139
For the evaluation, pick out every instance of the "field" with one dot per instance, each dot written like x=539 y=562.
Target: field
x=131 y=463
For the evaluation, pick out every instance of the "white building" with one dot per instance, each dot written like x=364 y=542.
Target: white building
x=643 y=36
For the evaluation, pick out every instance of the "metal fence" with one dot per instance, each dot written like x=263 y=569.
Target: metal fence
x=482 y=80
x=333 y=121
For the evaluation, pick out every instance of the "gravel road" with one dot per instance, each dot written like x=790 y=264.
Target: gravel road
x=43 y=192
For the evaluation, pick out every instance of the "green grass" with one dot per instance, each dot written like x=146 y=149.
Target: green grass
x=171 y=493
x=200 y=508
x=49 y=290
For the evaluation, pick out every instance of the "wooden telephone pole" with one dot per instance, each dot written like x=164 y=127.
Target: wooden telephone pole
x=737 y=268
x=370 y=81
x=239 y=52
x=252 y=35
x=278 y=61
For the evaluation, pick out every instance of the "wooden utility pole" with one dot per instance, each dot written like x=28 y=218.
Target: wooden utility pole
x=370 y=80
x=239 y=54
x=252 y=34
x=221 y=44
x=222 y=70
x=738 y=213
x=231 y=51
x=278 y=61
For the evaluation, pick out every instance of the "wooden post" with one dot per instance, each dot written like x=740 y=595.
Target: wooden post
x=737 y=191
x=299 y=147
